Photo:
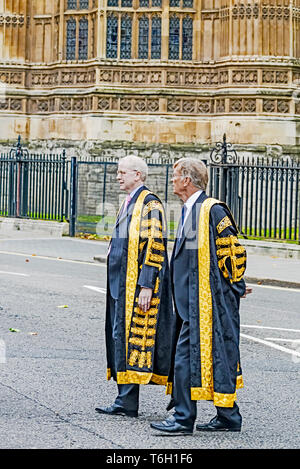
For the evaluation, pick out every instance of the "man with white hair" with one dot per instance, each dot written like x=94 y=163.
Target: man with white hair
x=207 y=268
x=139 y=313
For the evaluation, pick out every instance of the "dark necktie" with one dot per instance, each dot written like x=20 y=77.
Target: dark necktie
x=183 y=212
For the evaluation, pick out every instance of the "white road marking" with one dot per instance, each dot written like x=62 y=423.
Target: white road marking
x=277 y=339
x=267 y=327
x=270 y=344
x=97 y=289
x=34 y=256
x=13 y=273
x=274 y=287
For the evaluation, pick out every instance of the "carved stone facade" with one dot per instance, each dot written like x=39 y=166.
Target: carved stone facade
x=151 y=71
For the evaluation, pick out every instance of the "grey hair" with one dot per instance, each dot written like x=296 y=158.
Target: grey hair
x=195 y=170
x=137 y=164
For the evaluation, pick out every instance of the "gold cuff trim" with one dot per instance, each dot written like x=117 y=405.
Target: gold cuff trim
x=108 y=374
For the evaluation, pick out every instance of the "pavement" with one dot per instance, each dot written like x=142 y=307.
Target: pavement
x=268 y=263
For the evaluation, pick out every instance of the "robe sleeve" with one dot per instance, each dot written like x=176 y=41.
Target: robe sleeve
x=152 y=244
x=231 y=254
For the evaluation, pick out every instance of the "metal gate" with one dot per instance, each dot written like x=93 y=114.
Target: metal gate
x=262 y=193
x=33 y=185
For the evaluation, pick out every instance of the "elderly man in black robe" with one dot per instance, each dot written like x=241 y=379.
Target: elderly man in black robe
x=207 y=268
x=139 y=313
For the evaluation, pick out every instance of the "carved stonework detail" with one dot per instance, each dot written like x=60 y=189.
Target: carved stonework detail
x=276 y=105
x=12 y=20
x=244 y=77
x=245 y=11
x=11 y=104
x=80 y=77
x=42 y=106
x=242 y=105
x=44 y=79
x=220 y=106
x=11 y=78
x=273 y=76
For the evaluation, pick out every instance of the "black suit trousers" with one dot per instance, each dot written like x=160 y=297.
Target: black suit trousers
x=128 y=394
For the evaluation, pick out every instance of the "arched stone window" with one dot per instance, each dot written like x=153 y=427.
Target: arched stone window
x=126 y=37
x=71 y=39
x=187 y=38
x=174 y=37
x=143 y=37
x=77 y=4
x=156 y=37
x=112 y=37
x=83 y=39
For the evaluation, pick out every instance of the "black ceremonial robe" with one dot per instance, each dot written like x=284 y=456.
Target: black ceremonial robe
x=142 y=346
x=216 y=264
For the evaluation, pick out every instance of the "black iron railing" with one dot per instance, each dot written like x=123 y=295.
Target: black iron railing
x=262 y=193
x=33 y=185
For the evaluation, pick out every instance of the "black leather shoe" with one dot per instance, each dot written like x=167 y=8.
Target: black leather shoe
x=215 y=425
x=116 y=410
x=171 y=427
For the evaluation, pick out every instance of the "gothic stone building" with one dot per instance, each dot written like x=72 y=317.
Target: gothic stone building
x=150 y=74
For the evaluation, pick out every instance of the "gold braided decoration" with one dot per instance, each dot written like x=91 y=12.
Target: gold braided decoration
x=141 y=342
x=142 y=321
x=224 y=223
x=151 y=233
x=238 y=264
x=158 y=246
x=151 y=222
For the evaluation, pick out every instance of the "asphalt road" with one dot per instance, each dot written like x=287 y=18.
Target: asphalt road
x=53 y=368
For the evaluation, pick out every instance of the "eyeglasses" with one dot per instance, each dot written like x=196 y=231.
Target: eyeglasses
x=122 y=173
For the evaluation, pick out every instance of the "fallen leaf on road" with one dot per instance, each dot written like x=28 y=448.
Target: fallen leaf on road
x=63 y=306
x=33 y=254
x=14 y=330
x=27 y=260
x=32 y=333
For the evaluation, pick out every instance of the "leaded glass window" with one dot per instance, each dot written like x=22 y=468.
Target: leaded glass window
x=126 y=3
x=144 y=3
x=126 y=27
x=112 y=3
x=156 y=3
x=156 y=38
x=71 y=39
x=112 y=37
x=143 y=37
x=174 y=3
x=72 y=4
x=187 y=3
x=83 y=4
x=187 y=38
x=83 y=39
x=174 y=29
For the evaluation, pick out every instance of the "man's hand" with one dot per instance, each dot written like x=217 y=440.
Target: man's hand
x=247 y=291
x=145 y=298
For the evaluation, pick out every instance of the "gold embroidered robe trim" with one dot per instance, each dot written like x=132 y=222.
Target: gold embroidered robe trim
x=140 y=357
x=206 y=391
x=132 y=262
x=140 y=377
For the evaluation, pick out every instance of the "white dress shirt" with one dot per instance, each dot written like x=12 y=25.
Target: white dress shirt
x=189 y=205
